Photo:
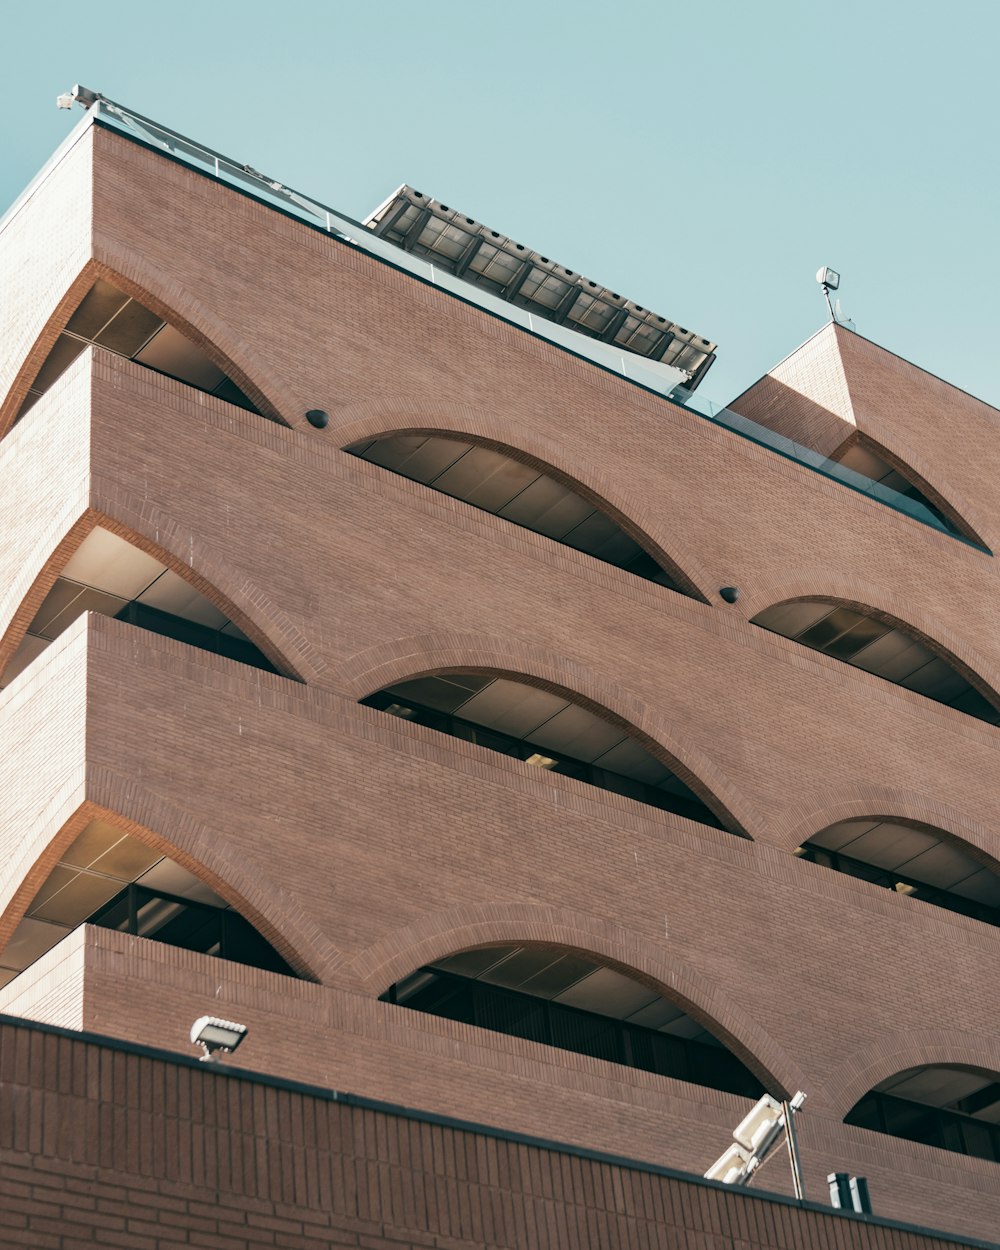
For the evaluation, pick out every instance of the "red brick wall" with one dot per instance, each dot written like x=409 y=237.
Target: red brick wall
x=101 y=1146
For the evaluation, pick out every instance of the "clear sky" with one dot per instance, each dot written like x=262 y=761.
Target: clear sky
x=702 y=158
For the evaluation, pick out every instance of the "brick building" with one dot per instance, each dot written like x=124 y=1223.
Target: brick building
x=400 y=658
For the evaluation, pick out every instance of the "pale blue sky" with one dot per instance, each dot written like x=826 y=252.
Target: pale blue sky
x=703 y=159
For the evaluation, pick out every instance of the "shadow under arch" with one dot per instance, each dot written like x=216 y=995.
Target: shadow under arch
x=830 y=807
x=440 y=934
x=879 y=438
x=193 y=846
x=158 y=536
x=866 y=599
x=432 y=655
x=911 y=1048
x=162 y=295
x=384 y=418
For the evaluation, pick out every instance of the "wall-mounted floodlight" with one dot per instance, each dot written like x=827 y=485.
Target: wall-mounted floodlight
x=755 y=1135
x=216 y=1037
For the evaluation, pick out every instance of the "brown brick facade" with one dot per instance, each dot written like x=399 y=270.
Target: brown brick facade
x=103 y=1146
x=363 y=846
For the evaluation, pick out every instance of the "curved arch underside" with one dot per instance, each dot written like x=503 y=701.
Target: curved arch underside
x=110 y=319
x=573 y=1002
x=111 y=879
x=545 y=729
x=866 y=457
x=859 y=638
x=921 y=862
x=949 y=1106
x=106 y=574
x=519 y=492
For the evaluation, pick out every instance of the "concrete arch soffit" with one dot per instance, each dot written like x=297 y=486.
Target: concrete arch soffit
x=382 y=418
x=465 y=928
x=53 y=310
x=161 y=537
x=223 y=346
x=195 y=847
x=180 y=308
x=912 y=1048
x=820 y=587
x=890 y=803
x=884 y=442
x=426 y=656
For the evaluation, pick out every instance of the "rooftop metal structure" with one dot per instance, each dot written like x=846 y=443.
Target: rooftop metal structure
x=641 y=366
x=655 y=376
x=495 y=263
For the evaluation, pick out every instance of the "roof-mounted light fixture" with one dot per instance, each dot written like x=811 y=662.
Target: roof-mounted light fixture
x=829 y=280
x=767 y=1121
x=78 y=94
x=216 y=1037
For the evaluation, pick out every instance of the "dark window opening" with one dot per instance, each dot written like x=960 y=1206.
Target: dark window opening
x=932 y=1126
x=495 y=482
x=109 y=575
x=615 y=750
x=865 y=642
x=862 y=458
x=109 y=319
x=910 y=886
x=201 y=636
x=190 y=926
x=517 y=1014
x=112 y=879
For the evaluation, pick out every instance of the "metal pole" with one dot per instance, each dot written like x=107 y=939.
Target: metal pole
x=793 y=1151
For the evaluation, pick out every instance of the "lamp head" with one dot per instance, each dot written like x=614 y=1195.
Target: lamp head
x=731 y=1168
x=78 y=94
x=217 y=1036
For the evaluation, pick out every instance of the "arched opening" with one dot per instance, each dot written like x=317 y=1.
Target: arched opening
x=110 y=319
x=857 y=637
x=112 y=879
x=949 y=1106
x=864 y=456
x=917 y=861
x=109 y=575
x=548 y=730
x=521 y=491
x=574 y=1002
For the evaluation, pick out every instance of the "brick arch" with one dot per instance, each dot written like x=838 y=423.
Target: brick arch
x=642 y=523
x=51 y=310
x=163 y=295
x=194 y=846
x=885 y=442
x=430 y=654
x=159 y=535
x=911 y=1048
x=463 y=928
x=874 y=802
x=817 y=583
